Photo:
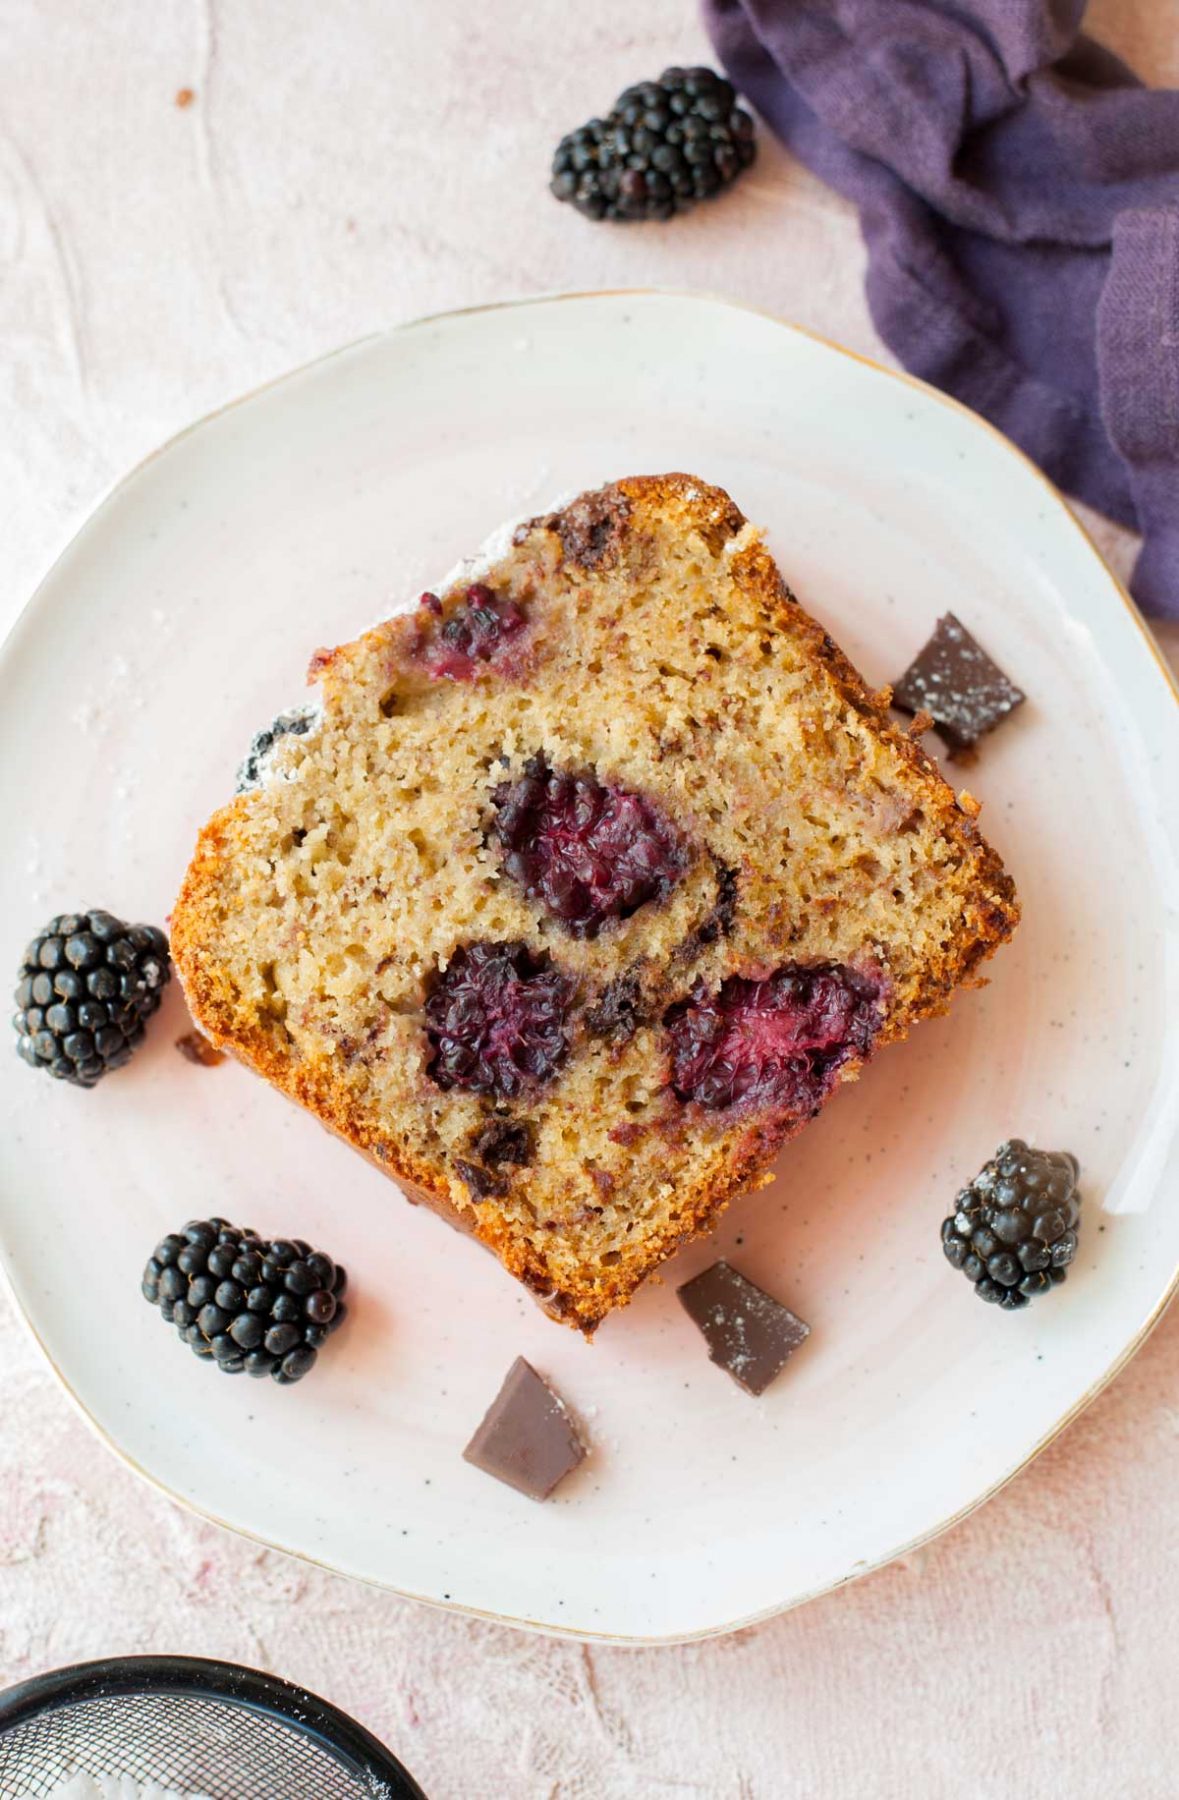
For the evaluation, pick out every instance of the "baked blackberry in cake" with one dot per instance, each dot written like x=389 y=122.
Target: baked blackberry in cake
x=598 y=873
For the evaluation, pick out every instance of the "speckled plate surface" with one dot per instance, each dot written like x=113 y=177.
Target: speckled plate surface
x=182 y=617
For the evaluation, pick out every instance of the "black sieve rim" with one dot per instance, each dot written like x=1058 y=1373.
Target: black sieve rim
x=230 y=1683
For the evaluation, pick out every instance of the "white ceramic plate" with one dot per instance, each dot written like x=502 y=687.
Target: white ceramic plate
x=182 y=617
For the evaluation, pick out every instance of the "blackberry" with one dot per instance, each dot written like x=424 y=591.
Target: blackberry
x=87 y=985
x=665 y=145
x=1014 y=1230
x=496 y=1020
x=246 y=1302
x=777 y=1042
x=295 y=723
x=588 y=852
x=475 y=633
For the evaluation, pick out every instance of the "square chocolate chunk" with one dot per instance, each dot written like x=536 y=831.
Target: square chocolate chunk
x=956 y=683
x=750 y=1335
x=528 y=1438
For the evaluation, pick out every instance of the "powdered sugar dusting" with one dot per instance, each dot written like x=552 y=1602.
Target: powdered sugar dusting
x=259 y=767
x=749 y=1334
x=499 y=543
x=735 y=1325
x=480 y=563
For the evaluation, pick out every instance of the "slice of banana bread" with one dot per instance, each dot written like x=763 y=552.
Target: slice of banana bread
x=598 y=873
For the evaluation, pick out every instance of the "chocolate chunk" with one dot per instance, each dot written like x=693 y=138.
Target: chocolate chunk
x=483 y=1183
x=957 y=684
x=592 y=528
x=196 y=1048
x=615 y=1013
x=505 y=1141
x=527 y=1439
x=750 y=1335
x=718 y=922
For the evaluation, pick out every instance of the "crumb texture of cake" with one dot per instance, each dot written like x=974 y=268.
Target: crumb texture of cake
x=592 y=881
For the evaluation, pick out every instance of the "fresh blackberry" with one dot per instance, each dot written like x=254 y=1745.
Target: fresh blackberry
x=666 y=145
x=87 y=985
x=295 y=723
x=1014 y=1230
x=246 y=1302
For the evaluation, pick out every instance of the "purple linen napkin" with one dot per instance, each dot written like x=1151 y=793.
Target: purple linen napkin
x=1019 y=198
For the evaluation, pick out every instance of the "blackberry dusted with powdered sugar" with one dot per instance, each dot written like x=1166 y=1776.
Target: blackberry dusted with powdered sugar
x=295 y=722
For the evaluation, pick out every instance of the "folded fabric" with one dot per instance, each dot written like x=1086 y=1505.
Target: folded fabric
x=1018 y=191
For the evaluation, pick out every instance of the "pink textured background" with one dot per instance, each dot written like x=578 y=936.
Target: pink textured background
x=343 y=167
